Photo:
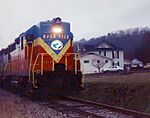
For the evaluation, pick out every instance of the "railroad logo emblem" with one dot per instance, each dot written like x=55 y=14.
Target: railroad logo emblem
x=56 y=45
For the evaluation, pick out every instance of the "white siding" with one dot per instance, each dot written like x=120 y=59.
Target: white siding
x=109 y=54
x=88 y=68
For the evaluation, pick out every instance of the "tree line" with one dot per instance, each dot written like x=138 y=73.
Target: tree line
x=135 y=42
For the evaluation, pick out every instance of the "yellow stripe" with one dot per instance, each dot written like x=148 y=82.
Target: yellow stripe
x=24 y=42
x=57 y=58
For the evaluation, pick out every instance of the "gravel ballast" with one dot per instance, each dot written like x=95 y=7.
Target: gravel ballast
x=13 y=106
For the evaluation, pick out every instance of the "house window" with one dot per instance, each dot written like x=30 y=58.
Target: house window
x=105 y=53
x=117 y=54
x=113 y=63
x=106 y=61
x=112 y=54
x=118 y=63
x=99 y=52
x=98 y=61
x=86 y=61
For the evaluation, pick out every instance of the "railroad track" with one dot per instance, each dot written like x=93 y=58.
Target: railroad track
x=77 y=108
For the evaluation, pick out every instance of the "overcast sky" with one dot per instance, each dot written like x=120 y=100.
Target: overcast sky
x=88 y=18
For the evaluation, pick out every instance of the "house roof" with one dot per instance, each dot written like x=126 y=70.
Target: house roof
x=112 y=47
x=91 y=53
x=136 y=61
x=106 y=49
x=89 y=47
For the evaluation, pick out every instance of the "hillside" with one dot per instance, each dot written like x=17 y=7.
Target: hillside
x=130 y=40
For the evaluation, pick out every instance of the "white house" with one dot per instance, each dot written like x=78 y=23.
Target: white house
x=103 y=56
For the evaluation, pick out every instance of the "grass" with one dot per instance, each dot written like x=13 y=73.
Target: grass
x=118 y=78
x=129 y=91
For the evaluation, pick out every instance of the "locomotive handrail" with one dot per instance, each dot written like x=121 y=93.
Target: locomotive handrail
x=33 y=80
x=75 y=63
x=41 y=71
x=40 y=54
x=7 y=66
x=76 y=55
x=30 y=63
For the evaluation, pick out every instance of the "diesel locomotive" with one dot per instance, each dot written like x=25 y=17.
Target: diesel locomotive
x=42 y=60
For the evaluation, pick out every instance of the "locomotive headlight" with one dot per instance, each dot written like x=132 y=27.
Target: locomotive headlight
x=57 y=30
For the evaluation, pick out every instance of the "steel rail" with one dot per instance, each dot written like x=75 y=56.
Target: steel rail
x=70 y=108
x=134 y=113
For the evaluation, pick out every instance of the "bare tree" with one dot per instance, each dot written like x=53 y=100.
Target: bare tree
x=98 y=63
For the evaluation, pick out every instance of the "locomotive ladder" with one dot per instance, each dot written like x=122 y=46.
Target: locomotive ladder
x=76 y=58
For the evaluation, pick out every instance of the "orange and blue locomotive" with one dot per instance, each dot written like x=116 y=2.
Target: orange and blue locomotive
x=42 y=59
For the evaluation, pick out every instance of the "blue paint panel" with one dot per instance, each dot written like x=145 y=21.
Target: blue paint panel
x=35 y=31
x=46 y=27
